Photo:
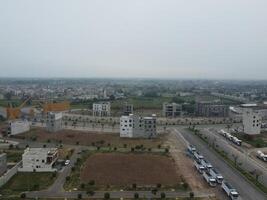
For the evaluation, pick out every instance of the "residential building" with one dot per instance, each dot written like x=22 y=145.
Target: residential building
x=211 y=109
x=18 y=126
x=127 y=109
x=101 y=109
x=39 y=160
x=133 y=126
x=172 y=110
x=3 y=163
x=252 y=121
x=54 y=121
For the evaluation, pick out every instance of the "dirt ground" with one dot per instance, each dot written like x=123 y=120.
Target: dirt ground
x=184 y=165
x=88 y=138
x=125 y=169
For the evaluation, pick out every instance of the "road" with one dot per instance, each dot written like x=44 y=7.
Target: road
x=248 y=163
x=245 y=189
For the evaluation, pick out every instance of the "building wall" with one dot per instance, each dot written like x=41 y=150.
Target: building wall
x=171 y=110
x=19 y=126
x=101 y=109
x=3 y=163
x=38 y=159
x=133 y=126
x=210 y=109
x=127 y=109
x=54 y=121
x=252 y=122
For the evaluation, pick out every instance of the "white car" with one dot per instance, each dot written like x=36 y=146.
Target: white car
x=67 y=162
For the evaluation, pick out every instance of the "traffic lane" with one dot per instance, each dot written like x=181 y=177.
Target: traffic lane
x=246 y=191
x=247 y=163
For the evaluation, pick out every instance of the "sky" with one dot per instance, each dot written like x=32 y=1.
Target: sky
x=203 y=39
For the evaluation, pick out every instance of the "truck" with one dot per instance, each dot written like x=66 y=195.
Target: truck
x=237 y=141
x=215 y=174
x=198 y=156
x=209 y=179
x=191 y=149
x=206 y=164
x=262 y=156
x=230 y=191
x=199 y=167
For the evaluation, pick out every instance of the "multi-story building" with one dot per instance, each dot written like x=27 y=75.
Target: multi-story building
x=101 y=109
x=54 y=121
x=39 y=160
x=252 y=121
x=127 y=109
x=211 y=109
x=3 y=164
x=171 y=110
x=18 y=126
x=133 y=126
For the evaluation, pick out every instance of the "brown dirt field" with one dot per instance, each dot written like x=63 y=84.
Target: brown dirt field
x=184 y=165
x=125 y=169
x=87 y=138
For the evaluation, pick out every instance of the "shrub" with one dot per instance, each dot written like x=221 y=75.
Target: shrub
x=106 y=195
x=191 y=195
x=91 y=182
x=162 y=195
x=79 y=196
x=23 y=195
x=67 y=178
x=90 y=192
x=136 y=195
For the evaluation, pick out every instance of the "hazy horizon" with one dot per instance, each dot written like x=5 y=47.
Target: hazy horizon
x=170 y=39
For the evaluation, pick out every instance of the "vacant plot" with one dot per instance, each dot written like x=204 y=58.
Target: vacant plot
x=88 y=138
x=125 y=169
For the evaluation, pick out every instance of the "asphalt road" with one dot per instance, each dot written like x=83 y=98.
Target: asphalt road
x=248 y=163
x=245 y=189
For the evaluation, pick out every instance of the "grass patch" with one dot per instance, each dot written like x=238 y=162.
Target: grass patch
x=13 y=155
x=28 y=181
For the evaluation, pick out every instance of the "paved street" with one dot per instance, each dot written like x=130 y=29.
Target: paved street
x=246 y=190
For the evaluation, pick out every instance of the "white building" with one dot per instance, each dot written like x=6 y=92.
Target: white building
x=252 y=121
x=133 y=126
x=18 y=126
x=172 y=110
x=101 y=109
x=39 y=160
x=54 y=121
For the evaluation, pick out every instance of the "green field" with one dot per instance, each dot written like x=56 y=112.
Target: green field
x=149 y=102
x=13 y=155
x=28 y=181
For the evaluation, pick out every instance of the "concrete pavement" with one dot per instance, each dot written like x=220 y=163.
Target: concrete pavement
x=245 y=189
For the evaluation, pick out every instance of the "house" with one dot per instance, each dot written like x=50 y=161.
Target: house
x=18 y=126
x=171 y=110
x=133 y=126
x=54 y=121
x=39 y=160
x=101 y=109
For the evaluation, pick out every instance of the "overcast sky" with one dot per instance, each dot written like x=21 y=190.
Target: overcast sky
x=224 y=39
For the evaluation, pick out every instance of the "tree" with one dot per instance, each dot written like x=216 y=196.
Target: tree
x=162 y=195
x=91 y=182
x=136 y=195
x=106 y=195
x=23 y=195
x=79 y=196
x=134 y=186
x=191 y=195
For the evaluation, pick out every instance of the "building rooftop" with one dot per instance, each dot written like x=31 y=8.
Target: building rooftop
x=36 y=151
